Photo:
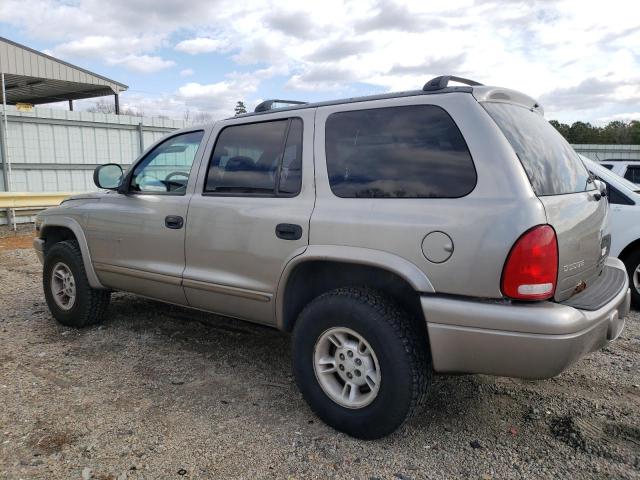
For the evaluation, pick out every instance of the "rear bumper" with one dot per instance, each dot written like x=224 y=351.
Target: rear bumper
x=38 y=246
x=536 y=340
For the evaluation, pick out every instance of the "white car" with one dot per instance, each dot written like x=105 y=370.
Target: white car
x=629 y=169
x=624 y=221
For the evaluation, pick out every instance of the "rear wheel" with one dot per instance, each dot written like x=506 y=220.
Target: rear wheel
x=632 y=263
x=69 y=296
x=360 y=362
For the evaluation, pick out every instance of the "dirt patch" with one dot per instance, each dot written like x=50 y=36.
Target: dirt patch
x=16 y=242
x=45 y=442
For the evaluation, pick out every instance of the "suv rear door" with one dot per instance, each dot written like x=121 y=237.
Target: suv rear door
x=573 y=205
x=250 y=213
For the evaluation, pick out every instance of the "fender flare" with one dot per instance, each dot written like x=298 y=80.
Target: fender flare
x=355 y=255
x=76 y=228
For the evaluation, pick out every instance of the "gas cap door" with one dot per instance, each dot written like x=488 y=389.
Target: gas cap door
x=437 y=247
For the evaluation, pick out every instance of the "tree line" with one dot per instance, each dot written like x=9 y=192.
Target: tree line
x=615 y=133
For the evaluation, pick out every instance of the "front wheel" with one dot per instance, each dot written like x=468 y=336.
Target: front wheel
x=69 y=296
x=632 y=263
x=361 y=363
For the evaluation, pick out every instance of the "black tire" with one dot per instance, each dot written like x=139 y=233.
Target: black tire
x=632 y=261
x=90 y=304
x=399 y=343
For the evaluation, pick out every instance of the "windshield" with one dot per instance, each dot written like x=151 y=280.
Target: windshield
x=553 y=167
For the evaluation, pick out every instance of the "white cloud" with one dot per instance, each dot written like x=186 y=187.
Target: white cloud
x=546 y=49
x=125 y=51
x=219 y=98
x=198 y=45
x=143 y=63
x=625 y=117
x=187 y=72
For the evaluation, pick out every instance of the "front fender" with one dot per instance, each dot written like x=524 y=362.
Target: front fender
x=76 y=228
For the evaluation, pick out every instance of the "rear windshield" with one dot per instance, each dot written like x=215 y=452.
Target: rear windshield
x=552 y=165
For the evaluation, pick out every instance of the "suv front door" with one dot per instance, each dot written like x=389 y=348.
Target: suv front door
x=136 y=238
x=250 y=213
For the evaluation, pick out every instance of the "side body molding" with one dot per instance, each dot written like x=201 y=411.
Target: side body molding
x=355 y=255
x=76 y=228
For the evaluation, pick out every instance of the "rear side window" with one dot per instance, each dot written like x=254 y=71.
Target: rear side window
x=632 y=174
x=553 y=167
x=607 y=166
x=397 y=152
x=257 y=159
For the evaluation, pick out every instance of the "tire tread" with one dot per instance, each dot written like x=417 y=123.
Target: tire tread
x=97 y=300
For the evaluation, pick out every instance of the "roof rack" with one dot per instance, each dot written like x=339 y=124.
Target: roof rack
x=438 y=83
x=268 y=104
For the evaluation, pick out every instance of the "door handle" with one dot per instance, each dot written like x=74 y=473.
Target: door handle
x=288 y=231
x=175 y=222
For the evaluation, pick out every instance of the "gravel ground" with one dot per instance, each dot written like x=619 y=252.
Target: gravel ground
x=163 y=392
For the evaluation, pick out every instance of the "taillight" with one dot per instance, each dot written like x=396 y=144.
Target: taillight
x=531 y=269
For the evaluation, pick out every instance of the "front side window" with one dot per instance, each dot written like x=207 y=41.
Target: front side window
x=397 y=152
x=616 y=197
x=632 y=174
x=257 y=159
x=166 y=169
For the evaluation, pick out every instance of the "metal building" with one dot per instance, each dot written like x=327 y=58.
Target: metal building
x=36 y=78
x=56 y=150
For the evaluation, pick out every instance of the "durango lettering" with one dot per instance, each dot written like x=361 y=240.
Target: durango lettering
x=573 y=266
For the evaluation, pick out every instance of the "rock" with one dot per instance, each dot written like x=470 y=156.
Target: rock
x=87 y=473
x=475 y=444
x=402 y=476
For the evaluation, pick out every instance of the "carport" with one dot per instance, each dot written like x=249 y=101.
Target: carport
x=33 y=78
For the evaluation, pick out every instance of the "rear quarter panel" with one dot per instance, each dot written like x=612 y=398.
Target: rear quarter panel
x=483 y=225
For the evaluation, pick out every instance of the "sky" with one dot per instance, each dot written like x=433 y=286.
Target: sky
x=579 y=58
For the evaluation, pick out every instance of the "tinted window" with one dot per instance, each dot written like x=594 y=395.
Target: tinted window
x=615 y=195
x=291 y=169
x=167 y=167
x=618 y=198
x=552 y=165
x=398 y=152
x=632 y=174
x=607 y=166
x=247 y=158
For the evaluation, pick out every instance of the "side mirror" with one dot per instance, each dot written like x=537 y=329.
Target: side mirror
x=601 y=186
x=108 y=176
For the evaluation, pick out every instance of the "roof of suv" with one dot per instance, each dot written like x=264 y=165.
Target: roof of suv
x=437 y=85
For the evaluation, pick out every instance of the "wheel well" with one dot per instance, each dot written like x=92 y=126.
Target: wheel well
x=633 y=246
x=54 y=234
x=311 y=279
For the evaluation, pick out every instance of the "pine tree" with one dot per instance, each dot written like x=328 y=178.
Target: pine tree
x=240 y=108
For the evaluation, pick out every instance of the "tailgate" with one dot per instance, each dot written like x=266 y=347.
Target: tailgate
x=562 y=183
x=579 y=221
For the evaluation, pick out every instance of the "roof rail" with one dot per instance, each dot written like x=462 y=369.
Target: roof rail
x=438 y=83
x=268 y=104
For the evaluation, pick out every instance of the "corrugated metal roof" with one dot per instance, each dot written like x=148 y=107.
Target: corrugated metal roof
x=34 y=77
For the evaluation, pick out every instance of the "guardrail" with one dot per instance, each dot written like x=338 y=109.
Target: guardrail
x=29 y=200
x=19 y=200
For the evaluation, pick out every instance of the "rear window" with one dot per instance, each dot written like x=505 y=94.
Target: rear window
x=397 y=152
x=553 y=167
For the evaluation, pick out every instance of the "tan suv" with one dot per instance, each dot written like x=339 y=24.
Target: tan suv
x=448 y=229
